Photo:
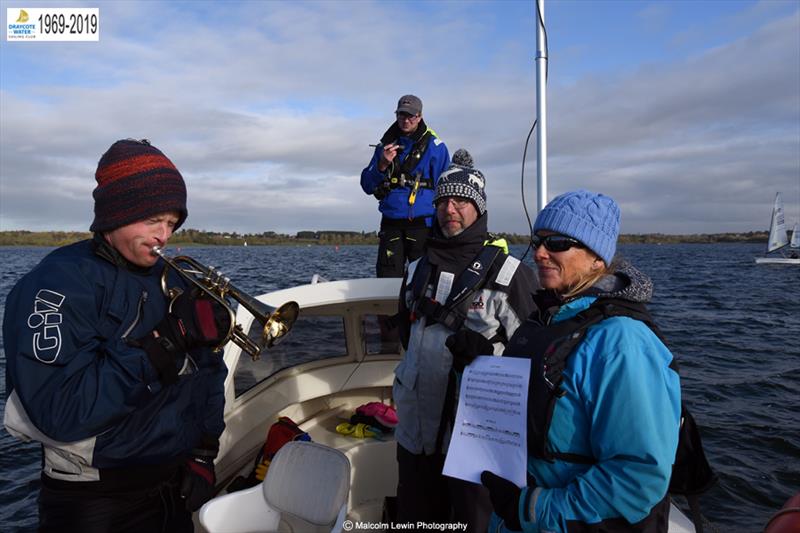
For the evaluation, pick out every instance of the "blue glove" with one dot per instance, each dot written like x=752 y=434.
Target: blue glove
x=505 y=499
x=199 y=480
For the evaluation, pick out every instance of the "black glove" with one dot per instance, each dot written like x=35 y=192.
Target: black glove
x=505 y=498
x=197 y=486
x=381 y=190
x=466 y=345
x=194 y=319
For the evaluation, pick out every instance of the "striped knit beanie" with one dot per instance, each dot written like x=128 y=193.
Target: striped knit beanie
x=135 y=181
x=591 y=218
x=461 y=179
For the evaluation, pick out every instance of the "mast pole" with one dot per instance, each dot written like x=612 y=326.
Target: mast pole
x=541 y=108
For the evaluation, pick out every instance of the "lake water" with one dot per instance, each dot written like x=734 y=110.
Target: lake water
x=734 y=326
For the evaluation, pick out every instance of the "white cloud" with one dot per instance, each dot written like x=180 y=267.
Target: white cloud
x=270 y=123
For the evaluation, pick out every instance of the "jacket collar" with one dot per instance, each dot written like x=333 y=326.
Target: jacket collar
x=394 y=133
x=110 y=254
x=454 y=254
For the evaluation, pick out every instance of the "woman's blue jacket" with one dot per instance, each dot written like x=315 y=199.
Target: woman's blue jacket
x=622 y=407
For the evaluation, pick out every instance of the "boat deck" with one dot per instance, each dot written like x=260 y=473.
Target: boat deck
x=373 y=474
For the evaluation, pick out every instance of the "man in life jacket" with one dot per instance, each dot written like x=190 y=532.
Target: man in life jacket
x=402 y=175
x=466 y=281
x=120 y=384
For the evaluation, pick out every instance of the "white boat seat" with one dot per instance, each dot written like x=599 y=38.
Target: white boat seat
x=305 y=489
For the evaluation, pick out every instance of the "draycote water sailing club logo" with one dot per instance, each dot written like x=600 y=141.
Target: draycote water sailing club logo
x=21 y=29
x=53 y=24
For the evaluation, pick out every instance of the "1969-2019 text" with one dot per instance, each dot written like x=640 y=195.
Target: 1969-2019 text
x=74 y=23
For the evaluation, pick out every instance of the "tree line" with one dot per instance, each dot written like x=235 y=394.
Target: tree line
x=210 y=238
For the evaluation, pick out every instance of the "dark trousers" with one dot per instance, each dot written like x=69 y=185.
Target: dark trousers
x=398 y=245
x=422 y=493
x=152 y=510
x=471 y=504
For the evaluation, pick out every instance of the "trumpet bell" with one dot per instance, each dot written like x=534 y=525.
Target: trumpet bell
x=280 y=322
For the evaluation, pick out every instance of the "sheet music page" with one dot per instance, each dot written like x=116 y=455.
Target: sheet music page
x=490 y=430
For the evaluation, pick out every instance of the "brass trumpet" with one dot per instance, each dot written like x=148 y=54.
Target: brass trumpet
x=275 y=322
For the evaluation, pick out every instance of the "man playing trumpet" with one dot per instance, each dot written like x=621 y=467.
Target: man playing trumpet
x=120 y=386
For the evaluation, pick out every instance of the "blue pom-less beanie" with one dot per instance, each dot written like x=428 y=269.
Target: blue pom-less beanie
x=591 y=218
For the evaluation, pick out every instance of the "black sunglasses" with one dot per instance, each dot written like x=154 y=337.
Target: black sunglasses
x=555 y=243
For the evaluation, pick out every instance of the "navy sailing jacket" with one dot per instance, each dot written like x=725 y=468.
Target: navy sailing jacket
x=78 y=386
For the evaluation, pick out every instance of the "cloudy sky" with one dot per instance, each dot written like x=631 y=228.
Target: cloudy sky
x=686 y=112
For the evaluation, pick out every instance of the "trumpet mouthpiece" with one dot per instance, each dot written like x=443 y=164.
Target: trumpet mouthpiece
x=157 y=250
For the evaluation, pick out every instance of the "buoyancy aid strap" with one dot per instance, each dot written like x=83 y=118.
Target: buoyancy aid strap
x=401 y=174
x=555 y=356
x=555 y=344
x=474 y=276
x=437 y=313
x=419 y=284
x=451 y=313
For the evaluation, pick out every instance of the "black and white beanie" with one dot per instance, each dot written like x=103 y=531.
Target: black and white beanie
x=462 y=180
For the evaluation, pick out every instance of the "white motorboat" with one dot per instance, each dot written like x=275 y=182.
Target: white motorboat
x=332 y=362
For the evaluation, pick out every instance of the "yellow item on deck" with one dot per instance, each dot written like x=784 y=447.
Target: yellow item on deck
x=261 y=469
x=360 y=431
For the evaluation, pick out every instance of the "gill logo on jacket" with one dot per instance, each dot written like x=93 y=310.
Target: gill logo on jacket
x=45 y=321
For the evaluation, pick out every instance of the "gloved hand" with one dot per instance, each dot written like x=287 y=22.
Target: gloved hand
x=505 y=498
x=466 y=345
x=197 y=486
x=381 y=190
x=194 y=319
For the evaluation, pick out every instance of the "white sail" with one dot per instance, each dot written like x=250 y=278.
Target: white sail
x=777 y=227
x=795 y=242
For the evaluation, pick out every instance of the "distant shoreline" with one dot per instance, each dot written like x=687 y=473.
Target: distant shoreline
x=191 y=237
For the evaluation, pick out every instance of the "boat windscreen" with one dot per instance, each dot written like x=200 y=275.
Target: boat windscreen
x=313 y=338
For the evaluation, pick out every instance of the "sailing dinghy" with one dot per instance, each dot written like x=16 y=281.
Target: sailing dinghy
x=778 y=240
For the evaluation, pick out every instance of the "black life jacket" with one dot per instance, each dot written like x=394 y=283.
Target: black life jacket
x=400 y=175
x=453 y=312
x=552 y=344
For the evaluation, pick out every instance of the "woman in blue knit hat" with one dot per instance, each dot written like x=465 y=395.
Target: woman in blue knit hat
x=604 y=398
